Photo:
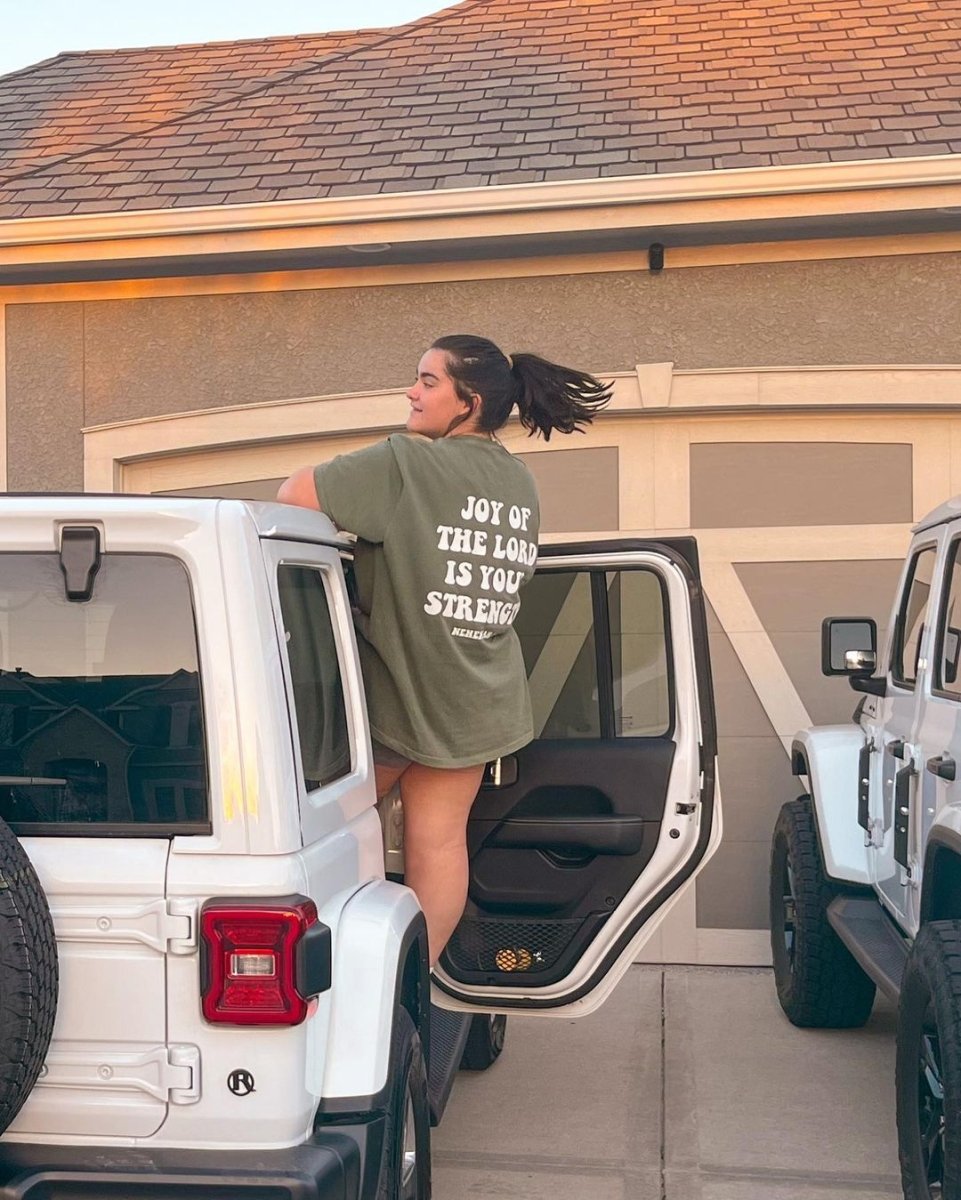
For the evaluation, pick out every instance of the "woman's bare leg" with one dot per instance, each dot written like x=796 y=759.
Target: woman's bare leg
x=386 y=777
x=436 y=806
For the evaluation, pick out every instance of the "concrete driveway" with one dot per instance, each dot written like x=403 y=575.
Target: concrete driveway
x=689 y=1084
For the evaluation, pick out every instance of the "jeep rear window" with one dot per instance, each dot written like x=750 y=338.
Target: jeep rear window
x=101 y=721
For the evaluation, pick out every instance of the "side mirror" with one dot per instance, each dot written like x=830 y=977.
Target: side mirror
x=849 y=646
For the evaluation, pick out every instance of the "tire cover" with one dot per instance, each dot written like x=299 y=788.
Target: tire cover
x=28 y=976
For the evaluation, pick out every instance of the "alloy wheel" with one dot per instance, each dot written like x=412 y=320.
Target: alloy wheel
x=931 y=1106
x=408 y=1161
x=790 y=910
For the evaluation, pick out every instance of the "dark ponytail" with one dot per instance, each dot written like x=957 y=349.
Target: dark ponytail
x=548 y=396
x=554 y=397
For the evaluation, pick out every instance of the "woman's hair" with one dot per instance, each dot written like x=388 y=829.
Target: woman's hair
x=548 y=396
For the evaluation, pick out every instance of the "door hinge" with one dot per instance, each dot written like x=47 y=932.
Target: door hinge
x=168 y=1073
x=163 y=925
x=182 y=925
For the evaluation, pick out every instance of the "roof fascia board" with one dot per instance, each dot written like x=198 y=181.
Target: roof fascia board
x=686 y=198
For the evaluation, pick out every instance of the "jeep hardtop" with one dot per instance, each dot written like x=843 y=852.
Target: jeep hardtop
x=243 y=1005
x=866 y=865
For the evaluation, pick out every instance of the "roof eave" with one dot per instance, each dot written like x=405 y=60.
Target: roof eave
x=756 y=196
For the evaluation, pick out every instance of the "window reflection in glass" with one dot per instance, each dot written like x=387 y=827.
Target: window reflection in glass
x=100 y=704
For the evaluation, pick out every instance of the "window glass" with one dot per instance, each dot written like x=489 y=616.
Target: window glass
x=948 y=658
x=101 y=717
x=642 y=698
x=912 y=615
x=556 y=630
x=318 y=693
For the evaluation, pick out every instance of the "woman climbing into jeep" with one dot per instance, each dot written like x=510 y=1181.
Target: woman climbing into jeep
x=447 y=527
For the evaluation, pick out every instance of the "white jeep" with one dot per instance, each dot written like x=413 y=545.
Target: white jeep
x=866 y=867
x=244 y=1005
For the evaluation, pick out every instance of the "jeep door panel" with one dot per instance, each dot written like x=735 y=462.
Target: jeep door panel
x=579 y=838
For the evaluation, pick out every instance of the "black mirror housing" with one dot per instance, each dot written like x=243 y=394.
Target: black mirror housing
x=843 y=636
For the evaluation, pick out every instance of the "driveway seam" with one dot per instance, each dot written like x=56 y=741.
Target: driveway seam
x=834 y=1179
x=663 y=1130
x=539 y=1163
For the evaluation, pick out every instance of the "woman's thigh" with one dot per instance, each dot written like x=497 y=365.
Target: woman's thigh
x=437 y=803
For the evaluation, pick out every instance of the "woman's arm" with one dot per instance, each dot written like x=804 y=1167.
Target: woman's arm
x=300 y=489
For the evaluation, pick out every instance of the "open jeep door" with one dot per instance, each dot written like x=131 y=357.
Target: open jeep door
x=579 y=842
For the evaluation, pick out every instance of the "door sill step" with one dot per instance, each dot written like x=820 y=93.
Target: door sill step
x=448 y=1037
x=873 y=940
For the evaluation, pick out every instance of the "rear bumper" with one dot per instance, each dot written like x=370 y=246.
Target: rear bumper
x=328 y=1167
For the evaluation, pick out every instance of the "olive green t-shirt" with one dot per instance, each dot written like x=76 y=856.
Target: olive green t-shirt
x=447 y=536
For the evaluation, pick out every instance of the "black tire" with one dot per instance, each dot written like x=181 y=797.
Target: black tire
x=405 y=1167
x=485 y=1041
x=929 y=1065
x=819 y=984
x=28 y=976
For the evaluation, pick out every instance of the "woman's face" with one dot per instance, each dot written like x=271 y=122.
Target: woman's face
x=433 y=401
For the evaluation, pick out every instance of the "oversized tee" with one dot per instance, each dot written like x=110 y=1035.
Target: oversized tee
x=447 y=535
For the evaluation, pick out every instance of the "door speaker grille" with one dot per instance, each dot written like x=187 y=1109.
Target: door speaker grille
x=509 y=947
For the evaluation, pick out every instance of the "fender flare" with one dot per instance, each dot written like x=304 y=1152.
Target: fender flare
x=828 y=757
x=941 y=889
x=377 y=932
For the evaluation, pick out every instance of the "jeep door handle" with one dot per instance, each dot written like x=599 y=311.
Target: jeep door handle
x=501 y=773
x=943 y=766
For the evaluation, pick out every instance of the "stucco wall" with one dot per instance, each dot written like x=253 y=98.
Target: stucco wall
x=99 y=361
x=45 y=397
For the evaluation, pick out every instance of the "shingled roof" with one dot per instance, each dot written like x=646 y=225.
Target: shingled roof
x=488 y=92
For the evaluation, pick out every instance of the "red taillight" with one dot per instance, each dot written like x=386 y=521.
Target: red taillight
x=255 y=969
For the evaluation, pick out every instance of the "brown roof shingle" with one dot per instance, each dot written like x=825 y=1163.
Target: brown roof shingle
x=78 y=101
x=488 y=92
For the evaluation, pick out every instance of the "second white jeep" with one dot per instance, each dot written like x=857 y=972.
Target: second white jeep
x=866 y=865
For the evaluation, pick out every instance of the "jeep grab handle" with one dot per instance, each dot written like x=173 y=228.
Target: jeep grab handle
x=944 y=766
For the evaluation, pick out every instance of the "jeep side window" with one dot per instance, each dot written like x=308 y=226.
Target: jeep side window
x=573 y=694
x=101 y=715
x=318 y=693
x=912 y=615
x=948 y=652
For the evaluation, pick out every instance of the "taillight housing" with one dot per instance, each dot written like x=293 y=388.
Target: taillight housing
x=262 y=961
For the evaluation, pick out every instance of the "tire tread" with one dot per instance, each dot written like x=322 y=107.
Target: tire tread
x=826 y=988
x=28 y=976
x=933 y=972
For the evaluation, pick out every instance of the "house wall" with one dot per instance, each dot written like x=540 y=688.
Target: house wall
x=784 y=500
x=96 y=361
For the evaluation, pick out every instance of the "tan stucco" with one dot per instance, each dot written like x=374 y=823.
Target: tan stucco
x=44 y=397
x=172 y=355
x=143 y=357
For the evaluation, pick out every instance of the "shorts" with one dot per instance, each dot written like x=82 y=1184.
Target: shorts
x=391 y=759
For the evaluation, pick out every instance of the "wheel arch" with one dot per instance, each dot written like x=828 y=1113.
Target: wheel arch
x=941 y=879
x=827 y=757
x=380 y=965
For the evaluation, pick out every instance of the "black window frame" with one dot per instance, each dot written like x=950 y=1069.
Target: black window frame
x=897 y=641
x=604 y=661
x=324 y=571
x=119 y=829
x=951 y=558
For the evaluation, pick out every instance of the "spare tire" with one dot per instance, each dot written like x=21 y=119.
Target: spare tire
x=28 y=976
